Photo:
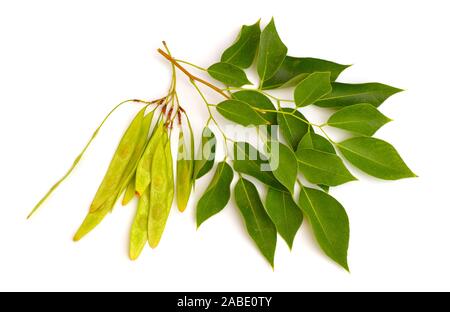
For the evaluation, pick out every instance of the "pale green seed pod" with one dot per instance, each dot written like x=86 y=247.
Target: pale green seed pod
x=124 y=153
x=143 y=171
x=138 y=235
x=185 y=168
x=159 y=189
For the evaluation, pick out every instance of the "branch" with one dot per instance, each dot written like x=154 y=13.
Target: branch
x=185 y=71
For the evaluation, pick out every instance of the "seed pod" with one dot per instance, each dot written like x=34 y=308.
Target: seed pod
x=130 y=192
x=138 y=235
x=143 y=174
x=119 y=163
x=94 y=218
x=159 y=189
x=129 y=181
x=170 y=180
x=185 y=168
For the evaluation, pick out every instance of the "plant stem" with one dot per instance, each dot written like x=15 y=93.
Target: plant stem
x=191 y=64
x=327 y=136
x=276 y=98
x=211 y=117
x=300 y=183
x=260 y=91
x=285 y=113
x=191 y=76
x=173 y=92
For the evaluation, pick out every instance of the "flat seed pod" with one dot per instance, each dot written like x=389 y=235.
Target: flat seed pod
x=143 y=174
x=129 y=183
x=138 y=235
x=170 y=176
x=185 y=171
x=94 y=218
x=130 y=192
x=159 y=189
x=119 y=162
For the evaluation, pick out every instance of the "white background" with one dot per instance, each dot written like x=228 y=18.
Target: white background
x=64 y=64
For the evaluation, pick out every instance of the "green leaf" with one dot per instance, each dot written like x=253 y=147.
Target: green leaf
x=346 y=94
x=285 y=214
x=259 y=226
x=295 y=69
x=217 y=195
x=282 y=161
x=170 y=173
x=129 y=179
x=248 y=160
x=312 y=88
x=375 y=157
x=272 y=52
x=329 y=222
x=323 y=168
x=205 y=160
x=362 y=119
x=293 y=126
x=316 y=142
x=325 y=188
x=243 y=51
x=319 y=143
x=260 y=101
x=241 y=113
x=229 y=74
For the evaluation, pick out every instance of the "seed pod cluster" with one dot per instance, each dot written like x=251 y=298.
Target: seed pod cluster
x=142 y=168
